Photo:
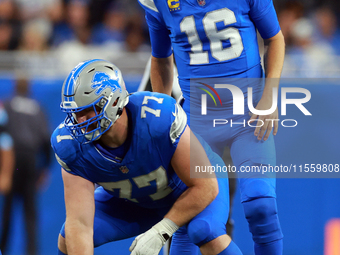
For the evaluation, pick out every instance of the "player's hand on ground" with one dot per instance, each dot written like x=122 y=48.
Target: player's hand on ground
x=148 y=243
x=265 y=123
x=152 y=241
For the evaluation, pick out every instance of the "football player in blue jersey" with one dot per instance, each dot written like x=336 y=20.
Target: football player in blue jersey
x=140 y=151
x=218 y=39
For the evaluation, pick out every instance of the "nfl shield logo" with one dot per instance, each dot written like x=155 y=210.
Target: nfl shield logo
x=201 y=2
x=124 y=169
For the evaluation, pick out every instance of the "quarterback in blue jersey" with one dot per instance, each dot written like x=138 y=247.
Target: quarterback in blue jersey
x=218 y=40
x=140 y=151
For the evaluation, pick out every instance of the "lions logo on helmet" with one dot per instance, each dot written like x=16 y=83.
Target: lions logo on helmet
x=102 y=80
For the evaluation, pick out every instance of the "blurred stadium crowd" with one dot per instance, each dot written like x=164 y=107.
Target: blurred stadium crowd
x=51 y=36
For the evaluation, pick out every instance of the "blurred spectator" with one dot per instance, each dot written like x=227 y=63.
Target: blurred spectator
x=34 y=56
x=6 y=35
x=6 y=154
x=31 y=9
x=111 y=30
x=135 y=38
x=35 y=35
x=326 y=28
x=55 y=11
x=75 y=25
x=29 y=129
x=291 y=12
x=307 y=58
x=10 y=25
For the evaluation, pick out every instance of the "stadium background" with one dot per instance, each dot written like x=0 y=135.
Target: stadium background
x=306 y=205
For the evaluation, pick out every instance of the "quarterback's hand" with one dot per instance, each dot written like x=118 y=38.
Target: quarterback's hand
x=266 y=122
x=152 y=241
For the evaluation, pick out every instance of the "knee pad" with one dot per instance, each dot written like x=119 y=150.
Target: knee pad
x=253 y=188
x=263 y=220
x=200 y=232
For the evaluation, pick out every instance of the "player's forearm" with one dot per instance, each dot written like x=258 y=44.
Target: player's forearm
x=274 y=56
x=161 y=74
x=6 y=170
x=193 y=201
x=274 y=61
x=7 y=163
x=79 y=238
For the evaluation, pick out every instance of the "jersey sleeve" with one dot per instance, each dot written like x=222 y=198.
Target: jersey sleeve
x=171 y=126
x=178 y=125
x=263 y=13
x=165 y=120
x=159 y=34
x=63 y=148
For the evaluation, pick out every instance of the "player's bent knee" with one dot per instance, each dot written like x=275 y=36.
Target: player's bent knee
x=257 y=188
x=216 y=246
x=200 y=232
x=263 y=220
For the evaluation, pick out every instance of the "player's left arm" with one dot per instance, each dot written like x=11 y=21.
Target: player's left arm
x=263 y=14
x=80 y=209
x=200 y=193
x=162 y=63
x=273 y=61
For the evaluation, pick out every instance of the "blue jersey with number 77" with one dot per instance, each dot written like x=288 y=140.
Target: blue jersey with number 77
x=210 y=38
x=145 y=175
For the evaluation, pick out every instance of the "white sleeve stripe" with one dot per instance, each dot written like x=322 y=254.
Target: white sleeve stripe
x=62 y=163
x=179 y=123
x=149 y=4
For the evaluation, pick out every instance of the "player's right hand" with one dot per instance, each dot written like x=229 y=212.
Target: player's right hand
x=148 y=243
x=270 y=122
x=152 y=241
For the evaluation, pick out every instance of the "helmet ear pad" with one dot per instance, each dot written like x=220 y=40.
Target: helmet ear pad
x=120 y=111
x=114 y=109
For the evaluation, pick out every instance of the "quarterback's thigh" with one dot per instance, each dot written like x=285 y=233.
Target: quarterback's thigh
x=247 y=149
x=211 y=222
x=253 y=159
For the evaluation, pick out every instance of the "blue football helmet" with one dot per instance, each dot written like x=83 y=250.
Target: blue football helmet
x=98 y=84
